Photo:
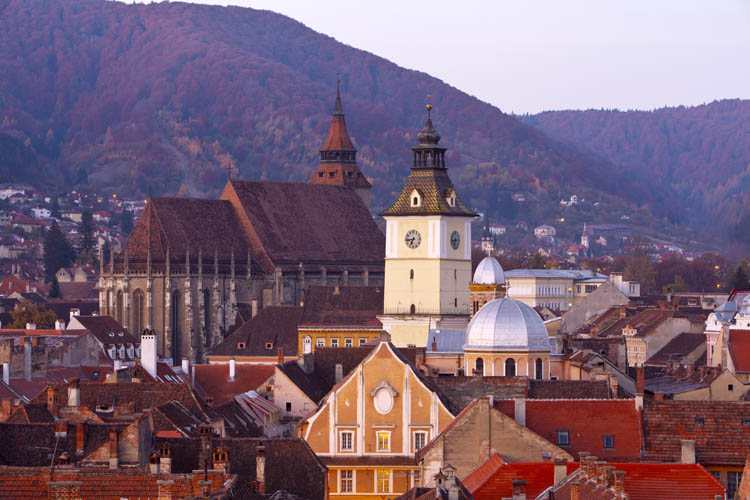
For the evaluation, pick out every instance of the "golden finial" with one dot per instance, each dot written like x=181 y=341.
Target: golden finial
x=429 y=106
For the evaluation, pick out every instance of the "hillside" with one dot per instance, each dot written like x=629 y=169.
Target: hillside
x=132 y=98
x=698 y=157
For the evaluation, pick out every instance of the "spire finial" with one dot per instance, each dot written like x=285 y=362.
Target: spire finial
x=429 y=106
x=338 y=110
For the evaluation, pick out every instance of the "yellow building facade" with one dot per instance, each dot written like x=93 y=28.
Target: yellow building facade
x=428 y=250
x=369 y=426
x=310 y=338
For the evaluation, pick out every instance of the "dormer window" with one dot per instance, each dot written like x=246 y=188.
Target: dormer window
x=416 y=199
x=450 y=198
x=269 y=345
x=240 y=345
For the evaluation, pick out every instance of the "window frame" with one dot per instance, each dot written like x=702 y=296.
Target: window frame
x=611 y=437
x=341 y=441
x=414 y=440
x=362 y=341
x=348 y=342
x=351 y=479
x=378 y=448
x=320 y=342
x=560 y=433
x=388 y=474
x=334 y=342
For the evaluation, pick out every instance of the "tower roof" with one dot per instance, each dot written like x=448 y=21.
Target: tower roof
x=429 y=179
x=338 y=137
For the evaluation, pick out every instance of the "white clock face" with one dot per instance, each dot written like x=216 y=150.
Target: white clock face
x=455 y=240
x=413 y=238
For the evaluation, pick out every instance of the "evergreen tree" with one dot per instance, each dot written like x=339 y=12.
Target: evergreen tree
x=126 y=221
x=537 y=261
x=87 y=231
x=58 y=252
x=740 y=280
x=54 y=289
x=55 y=209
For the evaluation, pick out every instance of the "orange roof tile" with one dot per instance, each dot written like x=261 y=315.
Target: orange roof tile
x=494 y=478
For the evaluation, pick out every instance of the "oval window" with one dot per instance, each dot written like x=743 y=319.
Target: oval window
x=383 y=401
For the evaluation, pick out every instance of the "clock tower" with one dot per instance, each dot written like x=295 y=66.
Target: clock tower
x=427 y=249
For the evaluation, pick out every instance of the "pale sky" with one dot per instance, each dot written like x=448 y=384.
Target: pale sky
x=526 y=56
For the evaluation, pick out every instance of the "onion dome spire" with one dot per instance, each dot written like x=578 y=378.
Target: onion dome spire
x=428 y=136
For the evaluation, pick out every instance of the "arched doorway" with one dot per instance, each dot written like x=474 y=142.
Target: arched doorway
x=510 y=367
x=307 y=345
x=538 y=369
x=479 y=367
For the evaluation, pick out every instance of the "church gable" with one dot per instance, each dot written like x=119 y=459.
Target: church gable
x=291 y=223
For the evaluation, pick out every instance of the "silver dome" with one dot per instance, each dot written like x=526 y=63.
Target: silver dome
x=489 y=272
x=507 y=324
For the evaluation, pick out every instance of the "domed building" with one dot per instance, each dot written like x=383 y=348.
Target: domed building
x=507 y=338
x=488 y=283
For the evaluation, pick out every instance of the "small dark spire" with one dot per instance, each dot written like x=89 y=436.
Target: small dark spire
x=338 y=110
x=428 y=135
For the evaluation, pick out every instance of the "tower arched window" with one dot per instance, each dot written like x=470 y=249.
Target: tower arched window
x=411 y=274
x=479 y=367
x=138 y=316
x=413 y=309
x=538 y=369
x=510 y=367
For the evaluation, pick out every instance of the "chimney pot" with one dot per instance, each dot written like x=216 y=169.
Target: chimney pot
x=339 y=376
x=280 y=356
x=113 y=450
x=232 y=369
x=520 y=411
x=80 y=437
x=688 y=451
x=575 y=490
x=600 y=472
x=619 y=481
x=609 y=476
x=6 y=373
x=561 y=469
x=254 y=308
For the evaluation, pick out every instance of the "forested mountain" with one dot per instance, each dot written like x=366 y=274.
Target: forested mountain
x=132 y=98
x=698 y=158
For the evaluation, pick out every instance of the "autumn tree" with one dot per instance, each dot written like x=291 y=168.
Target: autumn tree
x=739 y=280
x=640 y=268
x=537 y=261
x=28 y=312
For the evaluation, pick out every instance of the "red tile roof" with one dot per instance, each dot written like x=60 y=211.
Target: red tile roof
x=587 y=422
x=349 y=306
x=650 y=481
x=494 y=479
x=214 y=380
x=721 y=430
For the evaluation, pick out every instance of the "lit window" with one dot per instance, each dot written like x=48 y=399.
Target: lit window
x=609 y=441
x=320 y=342
x=420 y=439
x=334 y=342
x=563 y=438
x=347 y=481
x=347 y=441
x=384 y=440
x=384 y=481
x=348 y=342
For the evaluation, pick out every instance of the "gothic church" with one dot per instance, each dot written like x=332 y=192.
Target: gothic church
x=192 y=267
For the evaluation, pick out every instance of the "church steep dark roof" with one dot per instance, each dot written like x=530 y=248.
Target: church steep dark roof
x=182 y=224
x=290 y=223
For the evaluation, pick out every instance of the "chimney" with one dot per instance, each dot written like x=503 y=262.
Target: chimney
x=619 y=482
x=622 y=312
x=192 y=377
x=80 y=437
x=6 y=373
x=61 y=428
x=165 y=489
x=609 y=476
x=31 y=325
x=74 y=393
x=582 y=458
x=59 y=324
x=148 y=352
x=153 y=463
x=575 y=490
x=65 y=490
x=165 y=459
x=591 y=467
x=204 y=456
x=280 y=356
x=232 y=370
x=221 y=459
x=434 y=344
x=117 y=364
x=546 y=456
x=600 y=476
x=306 y=362
x=520 y=410
x=114 y=461
x=74 y=311
x=27 y=360
x=185 y=366
x=205 y=488
x=260 y=468
x=561 y=469
x=339 y=372
x=254 y=308
x=519 y=489
x=688 y=451
x=640 y=383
